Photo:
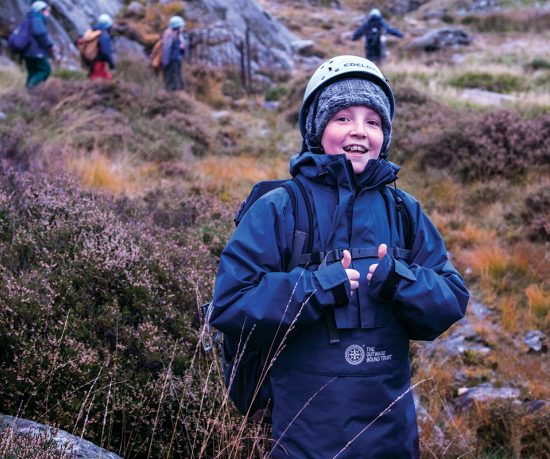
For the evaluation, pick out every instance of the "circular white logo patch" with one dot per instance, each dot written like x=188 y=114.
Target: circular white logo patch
x=355 y=354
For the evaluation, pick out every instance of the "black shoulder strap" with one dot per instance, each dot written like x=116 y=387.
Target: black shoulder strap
x=403 y=220
x=303 y=240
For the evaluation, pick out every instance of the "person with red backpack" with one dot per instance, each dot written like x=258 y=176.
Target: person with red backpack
x=103 y=61
x=336 y=325
x=373 y=29
x=39 y=45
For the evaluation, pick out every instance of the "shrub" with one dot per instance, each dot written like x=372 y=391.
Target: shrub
x=276 y=93
x=535 y=214
x=496 y=82
x=498 y=143
x=96 y=310
x=514 y=20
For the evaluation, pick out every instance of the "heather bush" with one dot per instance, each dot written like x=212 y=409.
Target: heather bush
x=513 y=20
x=39 y=446
x=469 y=144
x=535 y=214
x=115 y=118
x=98 y=315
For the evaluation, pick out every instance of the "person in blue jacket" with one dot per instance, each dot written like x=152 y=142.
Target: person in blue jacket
x=173 y=49
x=351 y=398
x=373 y=29
x=104 y=59
x=40 y=47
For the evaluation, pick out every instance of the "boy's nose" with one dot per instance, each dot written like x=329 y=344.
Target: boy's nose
x=358 y=129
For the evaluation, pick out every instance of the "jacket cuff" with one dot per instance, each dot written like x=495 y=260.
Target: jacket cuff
x=334 y=279
x=387 y=277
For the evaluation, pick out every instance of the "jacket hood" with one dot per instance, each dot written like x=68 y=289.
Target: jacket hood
x=333 y=169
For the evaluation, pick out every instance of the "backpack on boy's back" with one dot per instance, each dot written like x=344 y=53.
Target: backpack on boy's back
x=21 y=36
x=246 y=366
x=88 y=45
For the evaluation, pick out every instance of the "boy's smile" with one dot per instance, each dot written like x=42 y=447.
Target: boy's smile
x=355 y=131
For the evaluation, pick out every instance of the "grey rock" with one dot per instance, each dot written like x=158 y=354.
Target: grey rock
x=437 y=39
x=488 y=98
x=484 y=394
x=82 y=449
x=535 y=341
x=136 y=8
x=3 y=116
x=123 y=46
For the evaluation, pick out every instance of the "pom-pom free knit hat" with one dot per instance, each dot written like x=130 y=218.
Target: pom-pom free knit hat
x=342 y=94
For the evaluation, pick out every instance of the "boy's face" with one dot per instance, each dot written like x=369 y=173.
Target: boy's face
x=356 y=132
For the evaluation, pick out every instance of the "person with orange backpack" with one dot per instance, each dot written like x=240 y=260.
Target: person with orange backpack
x=173 y=49
x=103 y=59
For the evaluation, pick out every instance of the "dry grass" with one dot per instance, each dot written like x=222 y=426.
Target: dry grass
x=114 y=174
x=538 y=300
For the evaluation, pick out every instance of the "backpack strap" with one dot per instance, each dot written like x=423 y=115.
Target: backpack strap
x=301 y=207
x=303 y=237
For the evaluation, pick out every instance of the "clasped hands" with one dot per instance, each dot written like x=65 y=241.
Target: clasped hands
x=354 y=275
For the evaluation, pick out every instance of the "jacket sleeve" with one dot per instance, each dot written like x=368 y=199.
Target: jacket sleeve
x=428 y=294
x=392 y=30
x=359 y=32
x=253 y=294
x=40 y=33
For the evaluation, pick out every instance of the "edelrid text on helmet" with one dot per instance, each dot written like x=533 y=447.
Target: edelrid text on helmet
x=340 y=67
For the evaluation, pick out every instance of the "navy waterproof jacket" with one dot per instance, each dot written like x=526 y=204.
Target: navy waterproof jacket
x=375 y=23
x=105 y=47
x=40 y=43
x=350 y=399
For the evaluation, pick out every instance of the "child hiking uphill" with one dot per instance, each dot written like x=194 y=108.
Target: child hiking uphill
x=103 y=60
x=352 y=304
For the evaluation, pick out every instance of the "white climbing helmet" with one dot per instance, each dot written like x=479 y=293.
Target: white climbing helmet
x=341 y=67
x=176 y=22
x=39 y=6
x=105 y=20
x=375 y=12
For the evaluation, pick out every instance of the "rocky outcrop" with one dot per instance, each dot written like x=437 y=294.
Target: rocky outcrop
x=71 y=445
x=434 y=40
x=235 y=29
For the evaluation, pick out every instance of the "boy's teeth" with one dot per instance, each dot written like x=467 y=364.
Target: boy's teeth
x=355 y=148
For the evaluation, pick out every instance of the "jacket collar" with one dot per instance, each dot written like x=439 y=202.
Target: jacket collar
x=336 y=169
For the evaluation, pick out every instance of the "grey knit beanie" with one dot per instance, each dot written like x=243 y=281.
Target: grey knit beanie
x=342 y=94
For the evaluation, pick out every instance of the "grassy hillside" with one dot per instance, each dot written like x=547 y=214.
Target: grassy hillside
x=116 y=200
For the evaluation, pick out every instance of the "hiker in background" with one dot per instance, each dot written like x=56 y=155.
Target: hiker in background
x=40 y=46
x=341 y=321
x=173 y=49
x=104 y=59
x=373 y=30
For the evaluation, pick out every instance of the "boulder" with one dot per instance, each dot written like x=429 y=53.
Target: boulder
x=438 y=39
x=78 y=447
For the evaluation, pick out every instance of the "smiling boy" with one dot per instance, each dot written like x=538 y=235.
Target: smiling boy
x=332 y=398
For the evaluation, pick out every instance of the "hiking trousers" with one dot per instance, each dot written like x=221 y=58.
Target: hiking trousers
x=38 y=70
x=173 y=77
x=100 y=71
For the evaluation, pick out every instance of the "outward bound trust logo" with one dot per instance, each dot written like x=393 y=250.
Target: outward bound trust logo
x=354 y=354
